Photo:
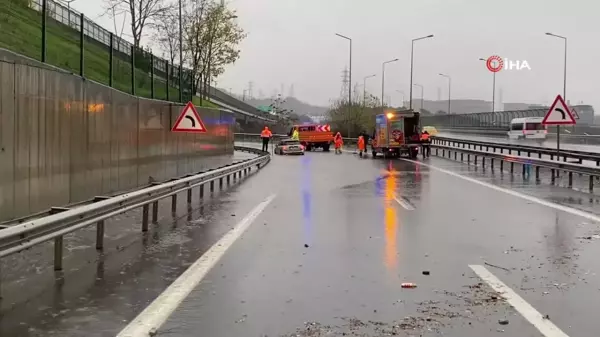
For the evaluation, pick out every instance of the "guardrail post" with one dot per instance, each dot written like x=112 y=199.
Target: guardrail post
x=155 y=212
x=501 y=166
x=58 y=253
x=591 y=185
x=512 y=167
x=524 y=169
x=444 y=153
x=570 y=179
x=475 y=159
x=468 y=158
x=189 y=196
x=100 y=235
x=553 y=177
x=462 y=156
x=483 y=161
x=492 y=163
x=221 y=183
x=145 y=218
x=540 y=155
x=174 y=203
x=201 y=191
x=212 y=186
x=537 y=173
x=228 y=179
x=518 y=152
x=455 y=155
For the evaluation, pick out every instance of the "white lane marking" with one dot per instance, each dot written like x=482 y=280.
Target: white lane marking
x=566 y=209
x=404 y=204
x=545 y=326
x=156 y=314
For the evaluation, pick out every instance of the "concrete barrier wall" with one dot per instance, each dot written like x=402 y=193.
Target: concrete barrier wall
x=64 y=139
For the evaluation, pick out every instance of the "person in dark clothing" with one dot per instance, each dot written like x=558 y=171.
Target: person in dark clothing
x=425 y=144
x=366 y=137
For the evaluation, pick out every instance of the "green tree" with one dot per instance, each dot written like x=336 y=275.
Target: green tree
x=352 y=120
x=212 y=38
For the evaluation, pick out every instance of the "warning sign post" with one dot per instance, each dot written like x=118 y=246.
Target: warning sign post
x=189 y=121
x=559 y=114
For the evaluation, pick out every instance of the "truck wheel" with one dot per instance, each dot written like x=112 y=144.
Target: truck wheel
x=374 y=154
x=308 y=147
x=326 y=148
x=414 y=154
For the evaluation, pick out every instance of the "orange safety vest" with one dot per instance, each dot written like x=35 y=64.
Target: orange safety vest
x=425 y=137
x=266 y=133
x=361 y=143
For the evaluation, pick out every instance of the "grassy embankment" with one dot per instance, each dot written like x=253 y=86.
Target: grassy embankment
x=21 y=32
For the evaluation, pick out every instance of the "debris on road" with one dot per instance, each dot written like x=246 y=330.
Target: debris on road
x=495 y=266
x=503 y=322
x=306 y=245
x=426 y=272
x=409 y=285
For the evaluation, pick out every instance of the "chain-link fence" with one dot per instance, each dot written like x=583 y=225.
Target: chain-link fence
x=67 y=39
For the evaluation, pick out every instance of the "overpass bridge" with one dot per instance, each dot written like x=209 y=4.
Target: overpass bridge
x=498 y=123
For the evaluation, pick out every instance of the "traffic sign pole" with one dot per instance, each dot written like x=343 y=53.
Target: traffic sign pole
x=559 y=114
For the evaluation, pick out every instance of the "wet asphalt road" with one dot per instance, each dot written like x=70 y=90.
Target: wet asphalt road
x=362 y=244
x=329 y=254
x=100 y=292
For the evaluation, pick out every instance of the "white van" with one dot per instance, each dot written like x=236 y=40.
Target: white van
x=527 y=128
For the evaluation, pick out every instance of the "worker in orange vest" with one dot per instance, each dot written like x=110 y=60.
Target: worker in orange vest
x=266 y=135
x=425 y=142
x=338 y=142
x=361 y=145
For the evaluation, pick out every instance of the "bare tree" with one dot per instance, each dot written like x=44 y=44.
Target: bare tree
x=142 y=14
x=166 y=34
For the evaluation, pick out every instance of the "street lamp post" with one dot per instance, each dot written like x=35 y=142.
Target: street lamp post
x=564 y=91
x=402 y=92
x=449 y=88
x=365 y=88
x=180 y=54
x=349 y=81
x=493 y=88
x=383 y=79
x=411 y=65
x=422 y=89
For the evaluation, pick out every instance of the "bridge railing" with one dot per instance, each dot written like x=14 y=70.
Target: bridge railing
x=24 y=233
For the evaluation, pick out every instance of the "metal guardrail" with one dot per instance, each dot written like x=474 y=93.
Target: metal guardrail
x=564 y=154
x=526 y=163
x=19 y=235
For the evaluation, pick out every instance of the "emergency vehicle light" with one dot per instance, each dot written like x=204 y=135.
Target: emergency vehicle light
x=390 y=115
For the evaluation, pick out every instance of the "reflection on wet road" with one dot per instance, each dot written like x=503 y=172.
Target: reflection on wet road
x=330 y=253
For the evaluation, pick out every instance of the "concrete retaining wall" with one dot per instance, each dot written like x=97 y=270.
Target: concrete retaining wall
x=64 y=139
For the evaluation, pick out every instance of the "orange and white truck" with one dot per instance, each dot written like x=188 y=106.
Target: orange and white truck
x=314 y=136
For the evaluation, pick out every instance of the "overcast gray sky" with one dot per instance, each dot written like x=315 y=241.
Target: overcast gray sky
x=294 y=42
